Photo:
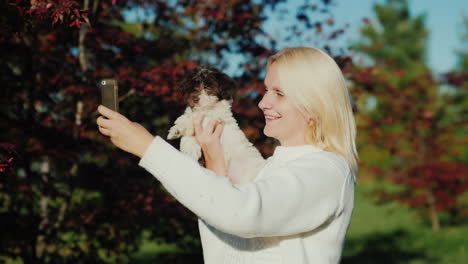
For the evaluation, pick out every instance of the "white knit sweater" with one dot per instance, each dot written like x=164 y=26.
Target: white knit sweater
x=297 y=210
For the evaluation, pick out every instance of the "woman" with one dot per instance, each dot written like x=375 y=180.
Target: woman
x=298 y=209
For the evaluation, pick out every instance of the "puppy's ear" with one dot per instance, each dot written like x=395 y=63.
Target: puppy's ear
x=229 y=87
x=220 y=84
x=189 y=86
x=190 y=82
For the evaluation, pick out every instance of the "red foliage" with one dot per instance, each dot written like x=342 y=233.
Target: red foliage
x=398 y=73
x=444 y=181
x=7 y=158
x=161 y=79
x=456 y=79
x=6 y=165
x=407 y=124
x=52 y=60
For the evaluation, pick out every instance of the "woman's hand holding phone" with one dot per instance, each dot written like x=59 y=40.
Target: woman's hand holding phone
x=124 y=134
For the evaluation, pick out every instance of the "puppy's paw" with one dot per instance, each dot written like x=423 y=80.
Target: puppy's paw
x=173 y=133
x=189 y=130
x=189 y=146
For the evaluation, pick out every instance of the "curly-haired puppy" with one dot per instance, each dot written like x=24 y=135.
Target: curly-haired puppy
x=209 y=91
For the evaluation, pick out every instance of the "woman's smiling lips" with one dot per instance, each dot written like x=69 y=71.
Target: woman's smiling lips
x=270 y=118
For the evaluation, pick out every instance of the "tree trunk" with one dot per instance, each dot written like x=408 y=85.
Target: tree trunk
x=433 y=213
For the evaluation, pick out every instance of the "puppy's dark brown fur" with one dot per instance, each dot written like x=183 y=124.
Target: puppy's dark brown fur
x=212 y=80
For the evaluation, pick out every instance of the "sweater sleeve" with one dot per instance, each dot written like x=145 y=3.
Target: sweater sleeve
x=291 y=200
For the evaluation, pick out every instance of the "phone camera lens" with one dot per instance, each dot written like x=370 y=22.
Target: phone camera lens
x=103 y=82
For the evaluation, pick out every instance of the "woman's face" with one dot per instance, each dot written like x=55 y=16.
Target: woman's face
x=283 y=121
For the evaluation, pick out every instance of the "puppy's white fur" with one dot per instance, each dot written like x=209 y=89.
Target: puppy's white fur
x=243 y=159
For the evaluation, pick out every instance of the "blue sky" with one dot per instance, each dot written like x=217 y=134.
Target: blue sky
x=443 y=20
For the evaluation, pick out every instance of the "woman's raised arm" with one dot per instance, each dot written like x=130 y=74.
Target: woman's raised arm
x=289 y=201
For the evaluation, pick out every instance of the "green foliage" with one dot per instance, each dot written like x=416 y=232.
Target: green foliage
x=410 y=121
x=463 y=52
x=397 y=43
x=388 y=233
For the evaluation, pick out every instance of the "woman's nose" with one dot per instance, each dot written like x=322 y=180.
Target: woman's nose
x=264 y=103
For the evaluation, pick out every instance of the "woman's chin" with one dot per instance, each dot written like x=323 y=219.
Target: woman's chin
x=268 y=131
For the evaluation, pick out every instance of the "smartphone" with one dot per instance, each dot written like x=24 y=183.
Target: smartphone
x=110 y=94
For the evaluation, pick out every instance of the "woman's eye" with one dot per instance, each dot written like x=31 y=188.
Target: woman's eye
x=277 y=93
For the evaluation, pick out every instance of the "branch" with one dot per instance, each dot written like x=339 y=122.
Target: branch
x=95 y=6
x=84 y=64
x=40 y=244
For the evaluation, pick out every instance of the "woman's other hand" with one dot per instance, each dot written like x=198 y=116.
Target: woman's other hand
x=209 y=139
x=124 y=134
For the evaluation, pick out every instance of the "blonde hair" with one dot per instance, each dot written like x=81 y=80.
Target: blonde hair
x=315 y=84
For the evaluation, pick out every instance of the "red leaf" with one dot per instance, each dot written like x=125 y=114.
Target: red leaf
x=76 y=23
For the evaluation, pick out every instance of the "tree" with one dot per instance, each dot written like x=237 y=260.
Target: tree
x=67 y=194
x=463 y=52
x=70 y=198
x=409 y=133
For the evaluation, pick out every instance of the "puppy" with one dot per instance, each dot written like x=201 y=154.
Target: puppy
x=208 y=91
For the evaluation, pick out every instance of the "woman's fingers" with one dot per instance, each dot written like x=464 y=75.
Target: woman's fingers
x=103 y=122
x=210 y=127
x=104 y=131
x=219 y=129
x=197 y=123
x=124 y=134
x=108 y=113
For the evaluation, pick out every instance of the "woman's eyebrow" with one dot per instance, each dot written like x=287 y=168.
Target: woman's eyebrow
x=277 y=89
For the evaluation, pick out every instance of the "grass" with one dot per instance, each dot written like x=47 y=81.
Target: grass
x=379 y=233
x=167 y=253
x=390 y=233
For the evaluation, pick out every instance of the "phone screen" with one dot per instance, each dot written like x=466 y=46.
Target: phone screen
x=110 y=94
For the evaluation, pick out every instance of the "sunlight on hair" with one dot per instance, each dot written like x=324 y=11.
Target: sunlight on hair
x=314 y=83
